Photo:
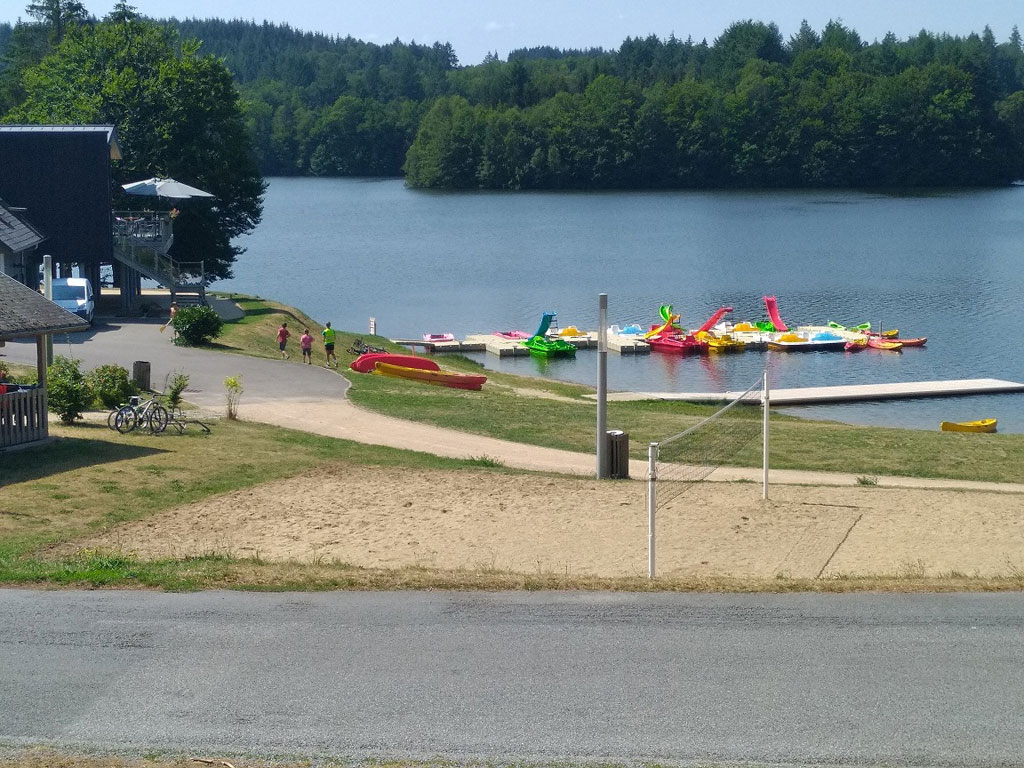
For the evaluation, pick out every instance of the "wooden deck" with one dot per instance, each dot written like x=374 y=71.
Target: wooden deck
x=841 y=394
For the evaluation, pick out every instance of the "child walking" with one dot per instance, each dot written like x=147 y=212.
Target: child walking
x=306 y=342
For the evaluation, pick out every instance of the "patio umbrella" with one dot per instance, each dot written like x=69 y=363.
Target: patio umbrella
x=157 y=187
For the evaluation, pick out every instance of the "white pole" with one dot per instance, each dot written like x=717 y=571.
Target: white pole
x=602 y=386
x=766 y=400
x=48 y=293
x=652 y=477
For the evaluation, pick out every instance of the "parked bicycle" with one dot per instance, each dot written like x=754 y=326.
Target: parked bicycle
x=139 y=414
x=359 y=348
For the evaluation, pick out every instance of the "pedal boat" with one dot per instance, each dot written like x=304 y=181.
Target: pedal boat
x=539 y=345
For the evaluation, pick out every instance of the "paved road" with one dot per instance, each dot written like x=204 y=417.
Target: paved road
x=861 y=679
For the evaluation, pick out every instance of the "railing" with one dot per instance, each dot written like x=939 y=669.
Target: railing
x=23 y=417
x=150 y=229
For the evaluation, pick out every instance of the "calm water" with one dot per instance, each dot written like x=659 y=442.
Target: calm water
x=947 y=266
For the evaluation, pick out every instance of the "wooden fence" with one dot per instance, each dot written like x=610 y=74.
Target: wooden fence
x=23 y=417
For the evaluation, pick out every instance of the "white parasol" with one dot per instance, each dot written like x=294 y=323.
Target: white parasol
x=157 y=187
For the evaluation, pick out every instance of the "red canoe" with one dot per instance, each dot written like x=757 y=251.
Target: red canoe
x=365 y=363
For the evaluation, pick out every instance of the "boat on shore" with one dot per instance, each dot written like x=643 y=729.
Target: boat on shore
x=365 y=363
x=439 y=337
x=452 y=379
x=981 y=425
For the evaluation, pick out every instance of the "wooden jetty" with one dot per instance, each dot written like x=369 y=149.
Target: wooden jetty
x=841 y=394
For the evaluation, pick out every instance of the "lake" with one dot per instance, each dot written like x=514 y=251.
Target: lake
x=946 y=265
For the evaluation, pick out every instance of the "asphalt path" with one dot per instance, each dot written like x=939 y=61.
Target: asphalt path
x=123 y=341
x=809 y=679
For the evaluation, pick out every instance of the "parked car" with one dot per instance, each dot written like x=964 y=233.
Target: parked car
x=75 y=295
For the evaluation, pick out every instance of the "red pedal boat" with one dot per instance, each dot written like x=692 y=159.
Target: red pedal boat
x=680 y=345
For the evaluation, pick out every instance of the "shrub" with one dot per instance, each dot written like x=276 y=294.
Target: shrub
x=111 y=385
x=4 y=371
x=176 y=384
x=67 y=390
x=233 y=385
x=196 y=325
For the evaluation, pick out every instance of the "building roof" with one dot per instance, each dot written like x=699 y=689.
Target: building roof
x=16 y=234
x=24 y=312
x=109 y=130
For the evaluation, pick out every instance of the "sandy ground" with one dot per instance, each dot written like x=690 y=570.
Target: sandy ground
x=379 y=517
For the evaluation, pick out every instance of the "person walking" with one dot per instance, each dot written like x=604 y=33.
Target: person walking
x=306 y=343
x=170 y=320
x=282 y=340
x=329 y=339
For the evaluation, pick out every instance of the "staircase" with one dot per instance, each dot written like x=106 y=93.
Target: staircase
x=141 y=242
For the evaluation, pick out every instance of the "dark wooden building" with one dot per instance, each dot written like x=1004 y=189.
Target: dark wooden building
x=60 y=176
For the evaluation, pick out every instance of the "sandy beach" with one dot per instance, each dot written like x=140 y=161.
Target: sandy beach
x=476 y=519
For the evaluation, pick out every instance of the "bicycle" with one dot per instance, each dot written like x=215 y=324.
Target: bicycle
x=359 y=348
x=148 y=414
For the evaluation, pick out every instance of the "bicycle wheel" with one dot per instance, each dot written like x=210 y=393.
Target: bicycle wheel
x=157 y=419
x=126 y=420
x=111 y=417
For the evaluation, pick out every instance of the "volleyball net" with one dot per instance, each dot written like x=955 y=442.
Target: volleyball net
x=677 y=463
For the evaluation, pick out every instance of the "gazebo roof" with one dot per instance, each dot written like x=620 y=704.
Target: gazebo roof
x=24 y=312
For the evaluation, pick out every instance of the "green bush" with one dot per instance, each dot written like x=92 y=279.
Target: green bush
x=110 y=385
x=67 y=390
x=4 y=371
x=176 y=384
x=196 y=325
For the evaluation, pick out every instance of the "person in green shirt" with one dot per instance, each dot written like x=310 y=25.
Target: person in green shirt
x=328 y=334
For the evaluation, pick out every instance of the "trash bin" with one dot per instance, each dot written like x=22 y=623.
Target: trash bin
x=618 y=454
x=140 y=375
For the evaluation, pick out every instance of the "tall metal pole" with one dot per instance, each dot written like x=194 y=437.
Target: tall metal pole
x=652 y=480
x=48 y=293
x=602 y=386
x=766 y=400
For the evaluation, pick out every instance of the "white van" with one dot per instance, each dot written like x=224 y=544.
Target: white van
x=75 y=295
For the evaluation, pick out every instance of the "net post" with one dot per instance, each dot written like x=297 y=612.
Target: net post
x=766 y=401
x=602 y=387
x=652 y=478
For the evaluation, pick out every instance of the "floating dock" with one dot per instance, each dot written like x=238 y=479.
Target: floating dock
x=502 y=347
x=840 y=394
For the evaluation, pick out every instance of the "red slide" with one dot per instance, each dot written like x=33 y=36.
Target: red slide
x=772 y=306
x=722 y=312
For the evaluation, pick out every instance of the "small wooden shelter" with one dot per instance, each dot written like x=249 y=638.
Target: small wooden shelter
x=24 y=313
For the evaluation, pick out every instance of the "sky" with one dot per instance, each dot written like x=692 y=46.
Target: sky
x=476 y=27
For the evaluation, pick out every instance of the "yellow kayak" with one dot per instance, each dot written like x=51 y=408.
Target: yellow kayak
x=982 y=425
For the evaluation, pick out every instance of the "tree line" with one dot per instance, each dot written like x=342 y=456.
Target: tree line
x=749 y=109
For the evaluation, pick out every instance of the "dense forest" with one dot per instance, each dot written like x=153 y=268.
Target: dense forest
x=750 y=109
